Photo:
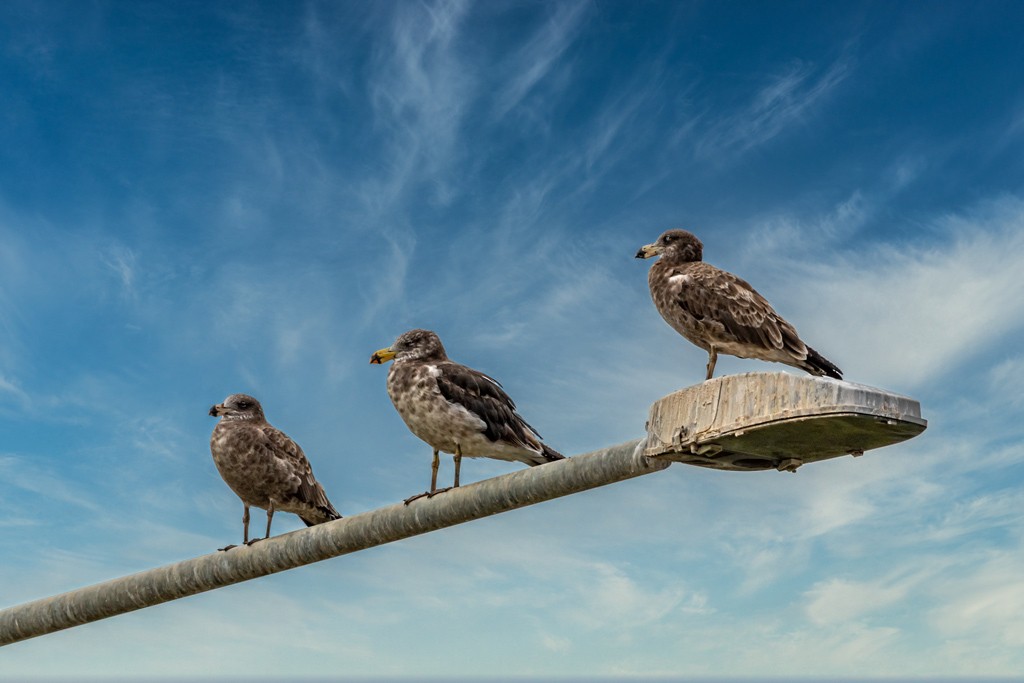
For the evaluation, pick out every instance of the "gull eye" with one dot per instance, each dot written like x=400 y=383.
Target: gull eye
x=244 y=405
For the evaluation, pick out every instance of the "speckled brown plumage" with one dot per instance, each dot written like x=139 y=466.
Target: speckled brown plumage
x=264 y=467
x=457 y=409
x=720 y=312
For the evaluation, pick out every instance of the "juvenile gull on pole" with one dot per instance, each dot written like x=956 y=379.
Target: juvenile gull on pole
x=264 y=467
x=720 y=312
x=456 y=409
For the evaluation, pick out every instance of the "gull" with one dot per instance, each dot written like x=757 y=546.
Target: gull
x=264 y=467
x=720 y=312
x=456 y=409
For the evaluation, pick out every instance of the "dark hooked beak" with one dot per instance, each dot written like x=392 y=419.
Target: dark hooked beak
x=214 y=411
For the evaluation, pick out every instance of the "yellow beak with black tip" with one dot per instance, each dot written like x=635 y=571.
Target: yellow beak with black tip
x=381 y=356
x=649 y=250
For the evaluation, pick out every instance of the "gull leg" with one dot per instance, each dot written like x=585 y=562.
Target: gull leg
x=245 y=529
x=270 y=518
x=458 y=463
x=433 y=471
x=712 y=359
x=433 y=482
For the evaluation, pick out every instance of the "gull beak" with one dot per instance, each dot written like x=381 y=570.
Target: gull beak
x=215 y=410
x=381 y=356
x=648 y=250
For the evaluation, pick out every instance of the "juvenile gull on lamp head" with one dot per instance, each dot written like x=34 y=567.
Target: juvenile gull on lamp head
x=264 y=467
x=456 y=409
x=720 y=312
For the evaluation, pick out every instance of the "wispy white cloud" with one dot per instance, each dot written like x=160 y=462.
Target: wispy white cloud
x=323 y=55
x=11 y=387
x=579 y=162
x=977 y=513
x=1006 y=379
x=786 y=238
x=836 y=651
x=533 y=61
x=986 y=602
x=905 y=171
x=389 y=287
x=15 y=255
x=921 y=310
x=420 y=91
x=835 y=601
x=123 y=263
x=20 y=472
x=783 y=102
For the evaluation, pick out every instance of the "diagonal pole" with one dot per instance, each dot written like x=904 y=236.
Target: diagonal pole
x=347 y=535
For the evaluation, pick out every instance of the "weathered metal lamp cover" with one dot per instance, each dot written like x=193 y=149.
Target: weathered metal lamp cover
x=775 y=420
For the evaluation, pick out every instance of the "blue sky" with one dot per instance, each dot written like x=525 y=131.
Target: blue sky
x=203 y=198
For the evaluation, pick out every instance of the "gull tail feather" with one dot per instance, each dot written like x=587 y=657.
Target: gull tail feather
x=817 y=364
x=549 y=454
x=326 y=514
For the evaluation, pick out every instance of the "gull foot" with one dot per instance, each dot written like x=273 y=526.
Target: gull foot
x=226 y=548
x=427 y=494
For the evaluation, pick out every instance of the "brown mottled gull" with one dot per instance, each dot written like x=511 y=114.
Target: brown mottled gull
x=264 y=467
x=456 y=409
x=720 y=312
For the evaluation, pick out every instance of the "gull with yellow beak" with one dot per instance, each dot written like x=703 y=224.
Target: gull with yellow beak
x=720 y=312
x=456 y=409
